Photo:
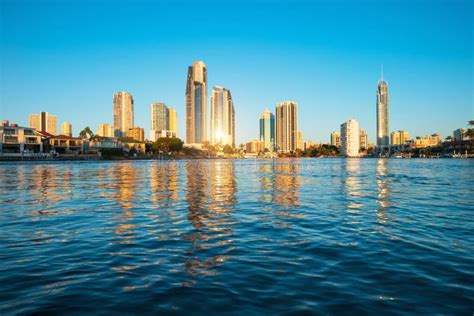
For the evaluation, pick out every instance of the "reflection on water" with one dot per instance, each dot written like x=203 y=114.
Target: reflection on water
x=211 y=199
x=258 y=236
x=383 y=190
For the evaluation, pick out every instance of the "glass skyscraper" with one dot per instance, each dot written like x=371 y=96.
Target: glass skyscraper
x=196 y=101
x=267 y=130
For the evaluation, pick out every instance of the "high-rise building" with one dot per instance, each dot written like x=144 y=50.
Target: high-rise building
x=460 y=134
x=66 y=129
x=267 y=129
x=399 y=138
x=172 y=120
x=286 y=126
x=137 y=133
x=196 y=101
x=336 y=139
x=44 y=122
x=383 y=140
x=350 y=139
x=300 y=141
x=363 y=139
x=123 y=113
x=222 y=117
x=105 y=130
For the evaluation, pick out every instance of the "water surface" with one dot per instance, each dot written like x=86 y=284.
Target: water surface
x=321 y=236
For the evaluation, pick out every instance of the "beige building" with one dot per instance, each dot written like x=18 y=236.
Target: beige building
x=350 y=138
x=123 y=113
x=286 y=126
x=310 y=144
x=336 y=139
x=44 y=122
x=399 y=138
x=196 y=104
x=300 y=142
x=137 y=133
x=426 y=141
x=222 y=117
x=363 y=139
x=161 y=134
x=383 y=140
x=66 y=129
x=163 y=119
x=17 y=140
x=254 y=146
x=105 y=130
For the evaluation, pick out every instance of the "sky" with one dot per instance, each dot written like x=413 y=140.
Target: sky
x=69 y=57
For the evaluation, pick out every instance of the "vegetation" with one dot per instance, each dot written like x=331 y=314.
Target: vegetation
x=228 y=150
x=86 y=133
x=168 y=145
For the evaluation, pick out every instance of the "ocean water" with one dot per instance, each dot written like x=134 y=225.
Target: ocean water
x=288 y=236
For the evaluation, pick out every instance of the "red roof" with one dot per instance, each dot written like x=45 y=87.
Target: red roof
x=45 y=134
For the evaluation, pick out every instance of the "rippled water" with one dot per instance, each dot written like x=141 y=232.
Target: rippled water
x=323 y=236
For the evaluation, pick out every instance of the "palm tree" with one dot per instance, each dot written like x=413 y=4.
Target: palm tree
x=86 y=132
x=470 y=131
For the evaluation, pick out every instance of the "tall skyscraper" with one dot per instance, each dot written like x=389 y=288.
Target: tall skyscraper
x=196 y=101
x=267 y=129
x=336 y=139
x=105 y=130
x=350 y=139
x=44 y=122
x=123 y=113
x=66 y=129
x=286 y=126
x=172 y=120
x=222 y=117
x=383 y=140
x=363 y=139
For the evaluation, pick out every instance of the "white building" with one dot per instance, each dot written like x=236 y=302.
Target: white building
x=350 y=139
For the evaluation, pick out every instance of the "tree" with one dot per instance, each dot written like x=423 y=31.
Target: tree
x=86 y=133
x=168 y=144
x=228 y=150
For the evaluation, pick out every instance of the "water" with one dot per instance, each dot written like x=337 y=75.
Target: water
x=321 y=236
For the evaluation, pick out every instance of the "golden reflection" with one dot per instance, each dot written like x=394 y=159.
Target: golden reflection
x=125 y=180
x=164 y=182
x=383 y=190
x=211 y=189
x=286 y=184
x=267 y=181
x=352 y=185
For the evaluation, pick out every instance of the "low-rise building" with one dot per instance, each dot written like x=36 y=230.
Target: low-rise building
x=399 y=138
x=254 y=146
x=155 y=134
x=137 y=133
x=19 y=140
x=63 y=144
x=426 y=141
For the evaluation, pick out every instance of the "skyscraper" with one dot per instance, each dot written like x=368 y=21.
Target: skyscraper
x=267 y=129
x=196 y=101
x=222 y=117
x=363 y=139
x=286 y=126
x=350 y=139
x=44 y=122
x=336 y=139
x=66 y=129
x=399 y=138
x=123 y=113
x=105 y=130
x=383 y=140
x=172 y=120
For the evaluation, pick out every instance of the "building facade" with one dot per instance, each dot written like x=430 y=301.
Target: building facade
x=460 y=134
x=363 y=139
x=162 y=120
x=105 y=130
x=350 y=138
x=426 y=141
x=173 y=120
x=17 y=140
x=196 y=103
x=267 y=129
x=383 y=140
x=44 y=122
x=336 y=139
x=137 y=133
x=399 y=138
x=286 y=126
x=66 y=129
x=222 y=117
x=123 y=113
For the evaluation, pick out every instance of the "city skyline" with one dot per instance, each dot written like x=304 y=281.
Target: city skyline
x=311 y=69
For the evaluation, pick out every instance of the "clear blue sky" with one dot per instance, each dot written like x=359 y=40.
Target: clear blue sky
x=70 y=57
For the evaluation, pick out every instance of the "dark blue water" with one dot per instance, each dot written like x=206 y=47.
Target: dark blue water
x=321 y=236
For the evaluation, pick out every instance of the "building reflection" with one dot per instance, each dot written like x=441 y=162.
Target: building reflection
x=211 y=199
x=266 y=172
x=352 y=184
x=286 y=184
x=125 y=177
x=383 y=191
x=164 y=181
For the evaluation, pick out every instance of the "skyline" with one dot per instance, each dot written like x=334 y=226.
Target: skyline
x=332 y=76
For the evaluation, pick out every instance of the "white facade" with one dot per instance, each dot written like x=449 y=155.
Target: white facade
x=350 y=138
